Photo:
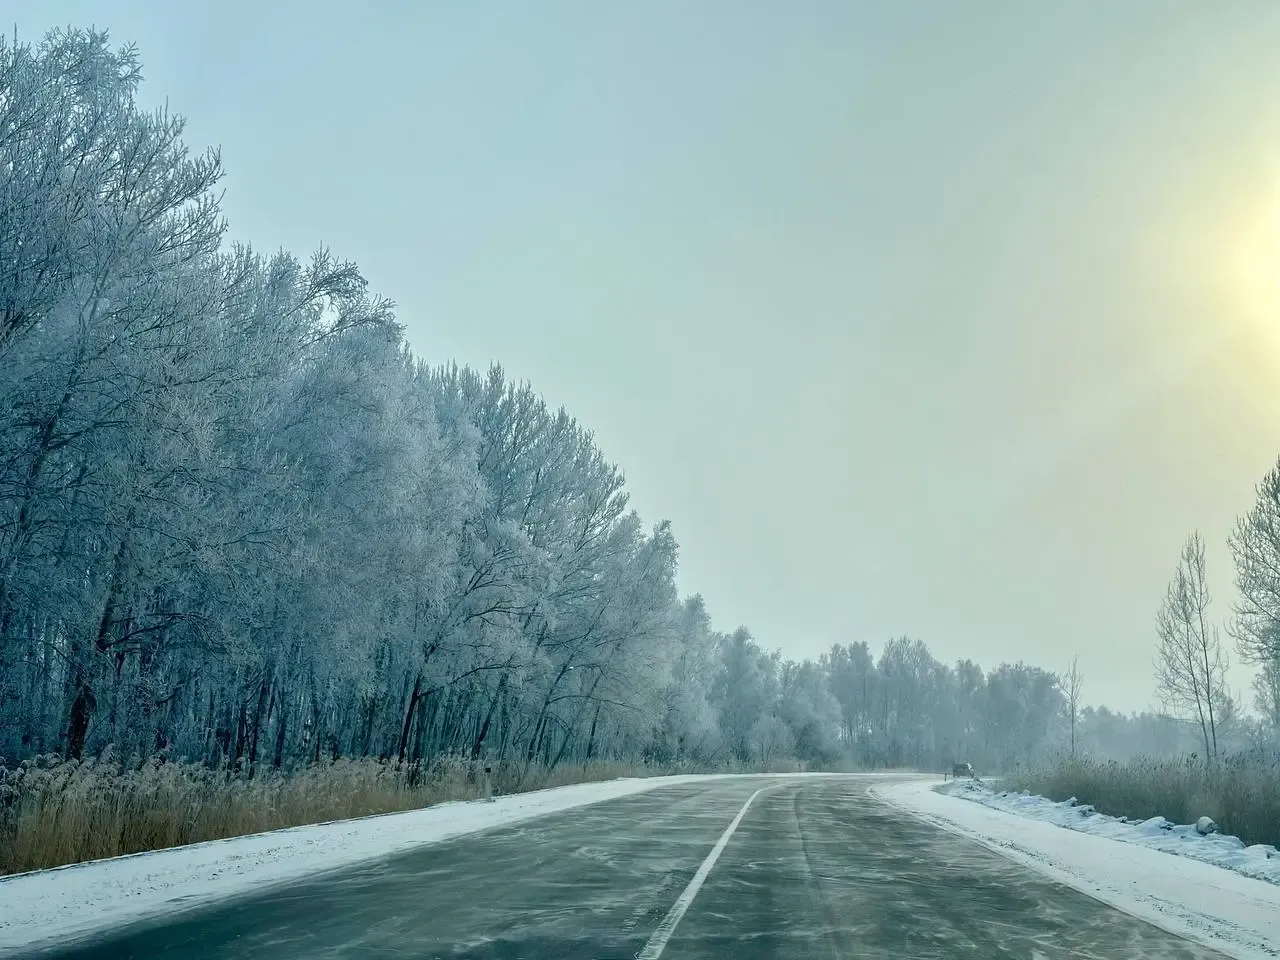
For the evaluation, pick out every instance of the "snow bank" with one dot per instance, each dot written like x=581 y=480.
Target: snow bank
x=1200 y=841
x=1188 y=894
x=85 y=898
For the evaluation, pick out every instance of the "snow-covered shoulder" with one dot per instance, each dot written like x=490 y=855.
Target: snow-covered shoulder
x=1144 y=868
x=84 y=898
x=1200 y=840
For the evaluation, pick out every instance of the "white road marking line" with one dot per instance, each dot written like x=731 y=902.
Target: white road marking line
x=658 y=942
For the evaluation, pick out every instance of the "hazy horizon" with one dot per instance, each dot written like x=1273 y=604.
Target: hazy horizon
x=939 y=322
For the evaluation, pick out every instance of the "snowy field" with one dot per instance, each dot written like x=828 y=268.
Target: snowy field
x=1191 y=885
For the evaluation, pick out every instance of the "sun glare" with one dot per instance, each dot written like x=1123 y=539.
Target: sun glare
x=1254 y=263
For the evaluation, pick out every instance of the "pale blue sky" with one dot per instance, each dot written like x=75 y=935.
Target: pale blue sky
x=949 y=319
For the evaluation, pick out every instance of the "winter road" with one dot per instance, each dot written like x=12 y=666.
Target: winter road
x=814 y=868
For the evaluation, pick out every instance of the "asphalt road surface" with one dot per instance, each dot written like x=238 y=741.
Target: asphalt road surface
x=815 y=868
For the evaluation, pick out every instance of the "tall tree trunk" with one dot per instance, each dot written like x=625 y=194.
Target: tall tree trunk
x=281 y=725
x=25 y=521
x=242 y=730
x=259 y=713
x=412 y=707
x=591 y=737
x=484 y=727
x=582 y=707
x=82 y=706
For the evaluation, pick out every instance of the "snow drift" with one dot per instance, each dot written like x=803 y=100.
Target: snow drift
x=1199 y=841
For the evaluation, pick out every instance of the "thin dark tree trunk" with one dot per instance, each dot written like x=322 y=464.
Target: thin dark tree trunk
x=407 y=726
x=281 y=724
x=484 y=727
x=259 y=715
x=82 y=706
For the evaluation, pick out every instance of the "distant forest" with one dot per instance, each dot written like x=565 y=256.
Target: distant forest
x=241 y=523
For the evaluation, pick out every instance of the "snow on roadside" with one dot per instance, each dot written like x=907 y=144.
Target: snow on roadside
x=1261 y=861
x=1234 y=914
x=84 y=898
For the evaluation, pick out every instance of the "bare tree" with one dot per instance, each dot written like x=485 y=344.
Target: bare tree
x=1190 y=665
x=1073 y=684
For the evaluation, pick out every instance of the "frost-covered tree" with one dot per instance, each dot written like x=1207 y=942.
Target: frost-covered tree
x=1266 y=696
x=970 y=695
x=688 y=731
x=242 y=524
x=810 y=712
x=1190 y=664
x=743 y=693
x=852 y=677
x=1073 y=688
x=1255 y=542
x=1022 y=704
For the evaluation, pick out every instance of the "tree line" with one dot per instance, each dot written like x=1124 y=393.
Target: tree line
x=241 y=523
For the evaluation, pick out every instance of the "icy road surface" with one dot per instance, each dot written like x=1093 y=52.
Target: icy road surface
x=1160 y=878
x=741 y=867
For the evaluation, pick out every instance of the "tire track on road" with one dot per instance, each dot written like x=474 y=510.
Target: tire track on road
x=833 y=924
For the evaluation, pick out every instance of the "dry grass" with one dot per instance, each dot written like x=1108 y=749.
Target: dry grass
x=1242 y=793
x=54 y=812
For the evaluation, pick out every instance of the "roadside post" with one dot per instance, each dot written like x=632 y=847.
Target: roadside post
x=488 y=784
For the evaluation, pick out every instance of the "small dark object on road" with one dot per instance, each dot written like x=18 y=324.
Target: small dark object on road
x=959 y=770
